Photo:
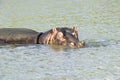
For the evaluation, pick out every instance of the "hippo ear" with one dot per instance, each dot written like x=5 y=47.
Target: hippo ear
x=54 y=30
x=74 y=28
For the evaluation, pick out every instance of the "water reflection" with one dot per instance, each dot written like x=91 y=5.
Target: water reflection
x=100 y=44
x=88 y=44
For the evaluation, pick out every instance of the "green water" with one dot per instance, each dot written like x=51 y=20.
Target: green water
x=98 y=24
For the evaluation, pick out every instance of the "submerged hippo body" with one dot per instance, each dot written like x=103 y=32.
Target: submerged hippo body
x=59 y=36
x=18 y=35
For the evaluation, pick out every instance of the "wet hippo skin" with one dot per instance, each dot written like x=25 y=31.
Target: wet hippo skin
x=18 y=35
x=56 y=36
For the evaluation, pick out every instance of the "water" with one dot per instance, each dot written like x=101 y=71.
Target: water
x=98 y=24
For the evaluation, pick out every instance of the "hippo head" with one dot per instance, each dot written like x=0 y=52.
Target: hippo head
x=72 y=31
x=61 y=36
x=66 y=38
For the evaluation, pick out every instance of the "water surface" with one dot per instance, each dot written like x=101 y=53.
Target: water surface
x=98 y=24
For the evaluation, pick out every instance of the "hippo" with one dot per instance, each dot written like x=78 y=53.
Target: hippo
x=55 y=36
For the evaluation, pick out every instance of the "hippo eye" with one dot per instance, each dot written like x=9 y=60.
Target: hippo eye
x=73 y=33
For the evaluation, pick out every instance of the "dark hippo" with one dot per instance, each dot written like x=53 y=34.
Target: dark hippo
x=59 y=36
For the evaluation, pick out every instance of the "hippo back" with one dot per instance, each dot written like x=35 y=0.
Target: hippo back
x=17 y=35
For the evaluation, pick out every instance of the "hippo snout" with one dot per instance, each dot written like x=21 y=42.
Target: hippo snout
x=77 y=45
x=81 y=44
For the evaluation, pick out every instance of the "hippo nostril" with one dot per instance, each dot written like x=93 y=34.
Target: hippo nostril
x=81 y=44
x=72 y=44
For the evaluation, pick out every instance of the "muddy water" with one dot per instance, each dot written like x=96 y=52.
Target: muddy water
x=98 y=24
